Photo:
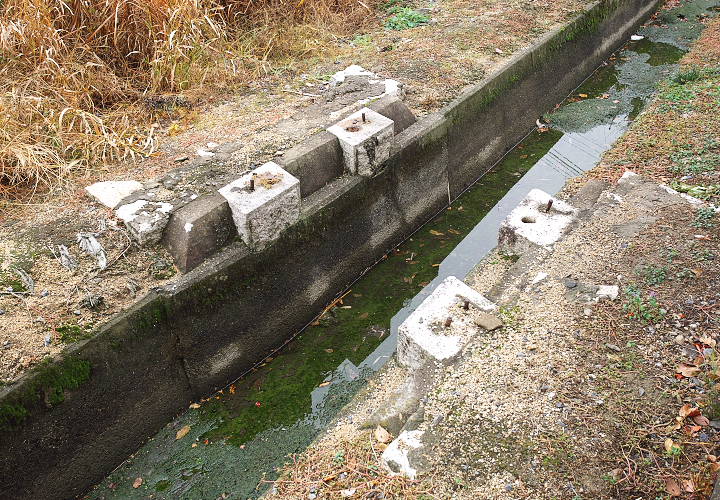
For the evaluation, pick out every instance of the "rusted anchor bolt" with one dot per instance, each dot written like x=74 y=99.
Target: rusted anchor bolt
x=252 y=182
x=549 y=206
x=363 y=117
x=448 y=322
x=466 y=305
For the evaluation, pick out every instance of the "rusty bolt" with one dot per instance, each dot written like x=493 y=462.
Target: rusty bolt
x=448 y=322
x=549 y=206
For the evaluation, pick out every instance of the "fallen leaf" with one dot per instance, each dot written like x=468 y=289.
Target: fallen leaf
x=687 y=370
x=669 y=445
x=583 y=95
x=688 y=411
x=436 y=233
x=712 y=458
x=688 y=485
x=194 y=445
x=329 y=351
x=363 y=315
x=381 y=435
x=453 y=231
x=325 y=384
x=137 y=483
x=714 y=467
x=708 y=341
x=182 y=432
x=194 y=406
x=692 y=429
x=700 y=420
x=672 y=487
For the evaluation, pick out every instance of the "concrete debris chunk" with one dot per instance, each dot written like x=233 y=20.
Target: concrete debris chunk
x=609 y=292
x=66 y=258
x=145 y=220
x=264 y=202
x=539 y=220
x=365 y=138
x=111 y=193
x=441 y=325
x=396 y=457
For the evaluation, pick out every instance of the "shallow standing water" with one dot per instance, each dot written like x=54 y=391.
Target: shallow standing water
x=238 y=436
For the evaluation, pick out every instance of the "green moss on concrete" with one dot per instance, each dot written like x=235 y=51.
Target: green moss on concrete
x=46 y=387
x=72 y=332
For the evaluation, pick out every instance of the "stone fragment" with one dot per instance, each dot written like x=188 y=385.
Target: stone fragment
x=145 y=220
x=441 y=325
x=488 y=321
x=111 y=193
x=264 y=203
x=365 y=141
x=396 y=456
x=609 y=292
x=531 y=225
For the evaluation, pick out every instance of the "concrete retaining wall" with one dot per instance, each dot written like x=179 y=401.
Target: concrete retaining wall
x=62 y=431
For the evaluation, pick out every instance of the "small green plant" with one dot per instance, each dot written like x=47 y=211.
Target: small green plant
x=362 y=40
x=509 y=257
x=643 y=308
x=685 y=274
x=405 y=18
x=689 y=160
x=609 y=478
x=673 y=451
x=72 y=333
x=655 y=275
x=704 y=218
x=671 y=254
x=689 y=75
x=704 y=255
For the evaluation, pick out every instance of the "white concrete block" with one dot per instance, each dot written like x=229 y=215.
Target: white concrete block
x=529 y=225
x=609 y=292
x=145 y=220
x=111 y=193
x=426 y=335
x=263 y=212
x=365 y=143
x=396 y=456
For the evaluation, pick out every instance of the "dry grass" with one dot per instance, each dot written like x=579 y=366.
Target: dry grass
x=79 y=77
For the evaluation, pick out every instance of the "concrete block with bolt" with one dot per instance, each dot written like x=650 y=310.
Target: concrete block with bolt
x=365 y=138
x=538 y=221
x=441 y=325
x=264 y=202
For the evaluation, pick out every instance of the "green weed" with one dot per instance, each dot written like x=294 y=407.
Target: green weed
x=644 y=308
x=405 y=18
x=704 y=218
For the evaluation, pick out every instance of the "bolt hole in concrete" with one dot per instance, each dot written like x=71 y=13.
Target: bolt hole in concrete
x=279 y=408
x=528 y=220
x=353 y=129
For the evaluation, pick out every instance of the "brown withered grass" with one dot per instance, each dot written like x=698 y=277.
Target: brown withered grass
x=81 y=79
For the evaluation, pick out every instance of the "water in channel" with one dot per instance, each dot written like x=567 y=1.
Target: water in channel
x=240 y=435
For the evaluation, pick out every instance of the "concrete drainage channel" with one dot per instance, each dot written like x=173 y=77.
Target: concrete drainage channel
x=237 y=437
x=147 y=364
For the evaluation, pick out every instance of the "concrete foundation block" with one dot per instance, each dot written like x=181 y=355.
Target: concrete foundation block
x=531 y=225
x=316 y=161
x=396 y=457
x=145 y=220
x=441 y=325
x=263 y=202
x=394 y=108
x=111 y=193
x=365 y=142
x=198 y=230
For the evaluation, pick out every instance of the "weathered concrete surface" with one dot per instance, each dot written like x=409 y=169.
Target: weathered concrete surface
x=365 y=138
x=440 y=327
x=263 y=202
x=199 y=229
x=220 y=318
x=111 y=193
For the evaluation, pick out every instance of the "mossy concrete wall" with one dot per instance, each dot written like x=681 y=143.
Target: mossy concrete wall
x=63 y=432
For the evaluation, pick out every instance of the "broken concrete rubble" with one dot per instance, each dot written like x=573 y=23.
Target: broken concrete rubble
x=111 y=193
x=145 y=220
